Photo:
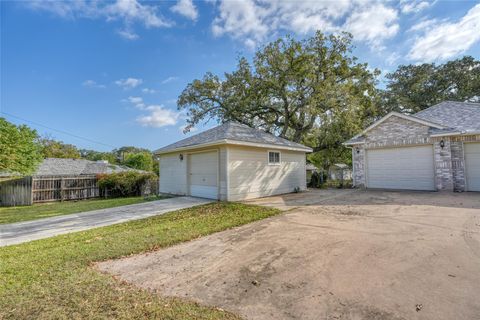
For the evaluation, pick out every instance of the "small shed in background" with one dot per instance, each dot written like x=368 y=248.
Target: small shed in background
x=339 y=171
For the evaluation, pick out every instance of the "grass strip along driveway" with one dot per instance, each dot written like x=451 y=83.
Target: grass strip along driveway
x=53 y=278
x=45 y=210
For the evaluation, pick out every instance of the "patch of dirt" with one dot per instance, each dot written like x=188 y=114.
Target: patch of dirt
x=343 y=254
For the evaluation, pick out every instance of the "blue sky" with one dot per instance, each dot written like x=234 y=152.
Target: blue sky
x=111 y=71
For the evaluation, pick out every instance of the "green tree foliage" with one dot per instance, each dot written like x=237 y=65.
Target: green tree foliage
x=133 y=157
x=97 y=155
x=312 y=91
x=19 y=151
x=141 y=161
x=57 y=149
x=122 y=152
x=412 y=88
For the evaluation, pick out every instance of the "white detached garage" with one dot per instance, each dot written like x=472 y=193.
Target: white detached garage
x=232 y=162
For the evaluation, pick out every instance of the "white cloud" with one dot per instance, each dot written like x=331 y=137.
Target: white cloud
x=414 y=6
x=255 y=21
x=128 y=34
x=186 y=8
x=137 y=101
x=148 y=90
x=169 y=79
x=242 y=19
x=392 y=58
x=129 y=83
x=373 y=24
x=158 y=116
x=447 y=39
x=132 y=10
x=93 y=84
x=423 y=25
x=128 y=12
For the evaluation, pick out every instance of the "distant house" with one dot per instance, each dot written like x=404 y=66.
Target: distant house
x=78 y=167
x=232 y=162
x=339 y=171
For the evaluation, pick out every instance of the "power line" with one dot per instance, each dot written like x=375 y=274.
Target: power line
x=57 y=130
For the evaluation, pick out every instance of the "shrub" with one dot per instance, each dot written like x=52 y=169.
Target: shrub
x=316 y=180
x=123 y=184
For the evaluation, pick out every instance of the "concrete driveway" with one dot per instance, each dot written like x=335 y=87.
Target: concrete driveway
x=334 y=254
x=15 y=233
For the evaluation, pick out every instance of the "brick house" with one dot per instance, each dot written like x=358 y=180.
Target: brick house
x=435 y=149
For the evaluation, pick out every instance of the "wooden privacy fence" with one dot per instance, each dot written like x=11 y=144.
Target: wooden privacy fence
x=29 y=190
x=16 y=192
x=45 y=189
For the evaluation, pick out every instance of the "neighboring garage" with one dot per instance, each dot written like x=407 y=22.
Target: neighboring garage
x=409 y=168
x=435 y=149
x=232 y=162
x=472 y=166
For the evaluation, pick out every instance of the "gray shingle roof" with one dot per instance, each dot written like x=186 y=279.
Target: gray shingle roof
x=457 y=116
x=75 y=167
x=232 y=131
x=463 y=117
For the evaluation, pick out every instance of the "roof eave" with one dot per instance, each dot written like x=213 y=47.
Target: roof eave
x=353 y=143
x=457 y=133
x=234 y=142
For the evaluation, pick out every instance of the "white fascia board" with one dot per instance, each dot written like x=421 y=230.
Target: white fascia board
x=268 y=145
x=235 y=142
x=353 y=143
x=457 y=133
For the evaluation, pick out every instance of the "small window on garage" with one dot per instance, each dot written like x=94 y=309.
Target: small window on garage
x=273 y=157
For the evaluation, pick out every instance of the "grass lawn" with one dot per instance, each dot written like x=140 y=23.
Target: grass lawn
x=53 y=278
x=44 y=210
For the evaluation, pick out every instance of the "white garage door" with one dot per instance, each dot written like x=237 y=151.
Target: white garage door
x=472 y=166
x=203 y=169
x=408 y=168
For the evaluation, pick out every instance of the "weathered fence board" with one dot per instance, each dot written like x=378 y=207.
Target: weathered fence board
x=16 y=192
x=47 y=189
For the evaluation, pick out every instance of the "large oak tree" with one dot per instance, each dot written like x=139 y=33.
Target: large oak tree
x=293 y=88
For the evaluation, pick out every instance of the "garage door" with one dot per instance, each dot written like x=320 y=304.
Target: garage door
x=203 y=169
x=472 y=165
x=408 y=168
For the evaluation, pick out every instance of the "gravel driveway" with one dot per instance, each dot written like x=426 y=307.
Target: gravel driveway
x=334 y=254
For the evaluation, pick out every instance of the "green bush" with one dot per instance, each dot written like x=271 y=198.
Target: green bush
x=123 y=184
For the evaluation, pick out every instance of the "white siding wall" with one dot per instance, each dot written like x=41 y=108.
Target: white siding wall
x=173 y=174
x=250 y=175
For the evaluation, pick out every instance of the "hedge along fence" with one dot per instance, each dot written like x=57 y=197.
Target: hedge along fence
x=29 y=190
x=128 y=183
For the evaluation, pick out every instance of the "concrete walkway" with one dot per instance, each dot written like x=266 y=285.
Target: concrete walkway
x=15 y=233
